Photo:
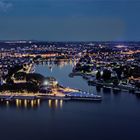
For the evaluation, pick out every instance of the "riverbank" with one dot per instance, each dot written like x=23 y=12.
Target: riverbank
x=60 y=93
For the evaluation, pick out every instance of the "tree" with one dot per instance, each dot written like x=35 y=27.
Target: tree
x=14 y=69
x=87 y=68
x=115 y=82
x=9 y=81
x=106 y=75
x=20 y=76
x=118 y=72
x=35 y=78
x=98 y=75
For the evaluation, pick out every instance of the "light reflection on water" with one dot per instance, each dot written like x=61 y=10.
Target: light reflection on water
x=32 y=103
x=55 y=103
x=21 y=103
x=7 y=103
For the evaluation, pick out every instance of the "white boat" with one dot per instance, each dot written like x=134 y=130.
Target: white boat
x=126 y=86
x=84 y=96
x=137 y=92
x=116 y=89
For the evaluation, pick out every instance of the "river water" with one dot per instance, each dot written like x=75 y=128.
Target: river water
x=117 y=117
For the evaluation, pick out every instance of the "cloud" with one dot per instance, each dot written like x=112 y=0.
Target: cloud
x=4 y=5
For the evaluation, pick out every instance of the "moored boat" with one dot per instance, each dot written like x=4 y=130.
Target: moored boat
x=84 y=96
x=137 y=93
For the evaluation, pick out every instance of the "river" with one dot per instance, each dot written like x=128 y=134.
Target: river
x=117 y=117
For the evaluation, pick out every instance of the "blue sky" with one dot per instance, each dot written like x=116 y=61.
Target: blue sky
x=70 y=20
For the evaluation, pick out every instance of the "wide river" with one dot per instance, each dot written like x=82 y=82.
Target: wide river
x=117 y=117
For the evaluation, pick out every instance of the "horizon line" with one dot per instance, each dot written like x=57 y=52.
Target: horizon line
x=14 y=40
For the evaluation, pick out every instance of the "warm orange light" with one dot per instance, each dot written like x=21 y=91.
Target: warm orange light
x=7 y=103
x=32 y=103
x=50 y=103
x=38 y=102
x=61 y=103
x=25 y=103
x=56 y=103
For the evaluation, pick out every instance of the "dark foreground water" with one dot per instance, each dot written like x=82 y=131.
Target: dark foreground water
x=117 y=117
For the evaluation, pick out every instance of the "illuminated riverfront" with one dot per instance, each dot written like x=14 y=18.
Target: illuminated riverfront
x=69 y=69
x=48 y=109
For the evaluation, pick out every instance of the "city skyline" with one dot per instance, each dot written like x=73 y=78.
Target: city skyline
x=69 y=20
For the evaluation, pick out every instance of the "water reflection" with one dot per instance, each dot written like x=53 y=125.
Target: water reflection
x=106 y=90
x=98 y=89
x=7 y=103
x=61 y=103
x=55 y=103
x=21 y=103
x=116 y=92
x=32 y=103
x=38 y=102
x=26 y=104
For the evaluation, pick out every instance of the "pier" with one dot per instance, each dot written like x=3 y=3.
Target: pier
x=67 y=95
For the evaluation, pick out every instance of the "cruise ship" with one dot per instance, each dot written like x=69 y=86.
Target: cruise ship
x=84 y=96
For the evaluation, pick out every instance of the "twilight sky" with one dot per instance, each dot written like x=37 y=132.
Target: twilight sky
x=70 y=20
